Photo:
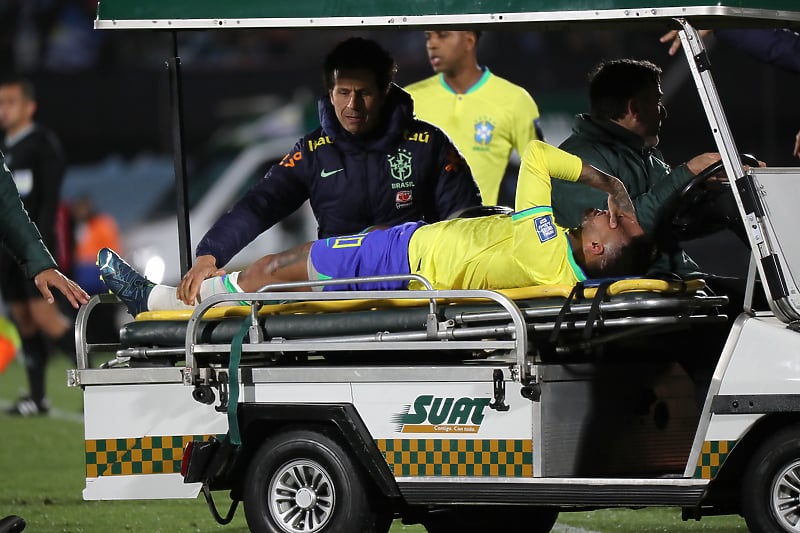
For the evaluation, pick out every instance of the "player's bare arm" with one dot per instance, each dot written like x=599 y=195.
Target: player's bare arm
x=619 y=202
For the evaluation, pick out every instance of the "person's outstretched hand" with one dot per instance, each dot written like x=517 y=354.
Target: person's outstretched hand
x=676 y=40
x=53 y=278
x=204 y=267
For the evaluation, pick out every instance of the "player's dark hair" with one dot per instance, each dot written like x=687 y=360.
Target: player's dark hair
x=613 y=83
x=631 y=259
x=359 y=53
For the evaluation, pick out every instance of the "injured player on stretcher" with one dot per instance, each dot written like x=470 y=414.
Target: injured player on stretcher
x=502 y=251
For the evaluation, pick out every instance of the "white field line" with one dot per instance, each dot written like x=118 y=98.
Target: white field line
x=558 y=528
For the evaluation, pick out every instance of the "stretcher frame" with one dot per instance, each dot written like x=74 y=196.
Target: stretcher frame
x=502 y=330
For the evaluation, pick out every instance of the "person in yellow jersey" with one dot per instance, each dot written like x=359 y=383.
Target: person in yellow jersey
x=485 y=115
x=493 y=252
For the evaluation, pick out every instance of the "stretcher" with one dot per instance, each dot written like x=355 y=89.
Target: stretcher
x=558 y=321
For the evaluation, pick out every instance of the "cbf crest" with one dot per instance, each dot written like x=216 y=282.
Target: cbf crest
x=400 y=165
x=484 y=130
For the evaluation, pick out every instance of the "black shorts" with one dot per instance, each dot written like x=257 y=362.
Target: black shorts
x=14 y=285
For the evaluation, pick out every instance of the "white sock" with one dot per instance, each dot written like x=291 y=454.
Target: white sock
x=227 y=284
x=164 y=297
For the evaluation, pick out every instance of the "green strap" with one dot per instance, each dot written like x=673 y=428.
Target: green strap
x=233 y=383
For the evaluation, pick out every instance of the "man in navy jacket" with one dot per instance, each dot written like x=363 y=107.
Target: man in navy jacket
x=371 y=162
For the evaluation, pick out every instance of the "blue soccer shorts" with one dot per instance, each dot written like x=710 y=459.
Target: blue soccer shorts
x=376 y=253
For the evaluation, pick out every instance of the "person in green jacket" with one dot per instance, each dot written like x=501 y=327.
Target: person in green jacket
x=619 y=137
x=21 y=237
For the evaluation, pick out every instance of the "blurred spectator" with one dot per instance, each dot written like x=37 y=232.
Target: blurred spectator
x=93 y=230
x=56 y=34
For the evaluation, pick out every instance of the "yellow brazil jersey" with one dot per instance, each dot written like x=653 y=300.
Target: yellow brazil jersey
x=493 y=117
x=502 y=251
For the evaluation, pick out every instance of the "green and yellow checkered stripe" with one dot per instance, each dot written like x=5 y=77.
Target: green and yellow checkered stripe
x=457 y=457
x=145 y=455
x=712 y=455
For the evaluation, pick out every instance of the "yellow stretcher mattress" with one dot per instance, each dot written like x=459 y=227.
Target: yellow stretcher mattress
x=657 y=286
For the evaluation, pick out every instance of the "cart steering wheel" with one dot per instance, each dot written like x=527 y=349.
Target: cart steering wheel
x=704 y=207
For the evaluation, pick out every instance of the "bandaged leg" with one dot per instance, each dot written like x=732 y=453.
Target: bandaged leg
x=164 y=297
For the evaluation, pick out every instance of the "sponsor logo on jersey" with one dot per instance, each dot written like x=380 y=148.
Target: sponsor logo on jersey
x=432 y=414
x=484 y=131
x=403 y=199
x=545 y=228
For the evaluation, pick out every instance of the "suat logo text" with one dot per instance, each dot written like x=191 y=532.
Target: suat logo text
x=431 y=414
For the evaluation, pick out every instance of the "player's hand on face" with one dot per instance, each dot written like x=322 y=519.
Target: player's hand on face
x=189 y=286
x=619 y=204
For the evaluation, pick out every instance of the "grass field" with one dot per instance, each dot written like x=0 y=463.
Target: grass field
x=42 y=466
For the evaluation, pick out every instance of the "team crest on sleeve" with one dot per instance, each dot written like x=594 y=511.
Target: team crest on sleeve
x=545 y=228
x=483 y=132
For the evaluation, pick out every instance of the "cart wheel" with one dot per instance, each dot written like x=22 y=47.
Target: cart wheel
x=771 y=485
x=483 y=519
x=302 y=481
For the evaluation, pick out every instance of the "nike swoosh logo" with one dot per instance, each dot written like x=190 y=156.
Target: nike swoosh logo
x=325 y=173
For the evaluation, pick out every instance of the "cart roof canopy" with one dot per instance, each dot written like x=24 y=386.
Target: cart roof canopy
x=186 y=14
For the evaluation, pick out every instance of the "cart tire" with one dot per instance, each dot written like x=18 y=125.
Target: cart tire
x=483 y=519
x=304 y=481
x=771 y=484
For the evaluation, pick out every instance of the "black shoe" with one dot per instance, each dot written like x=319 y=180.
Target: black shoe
x=123 y=281
x=29 y=407
x=12 y=524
